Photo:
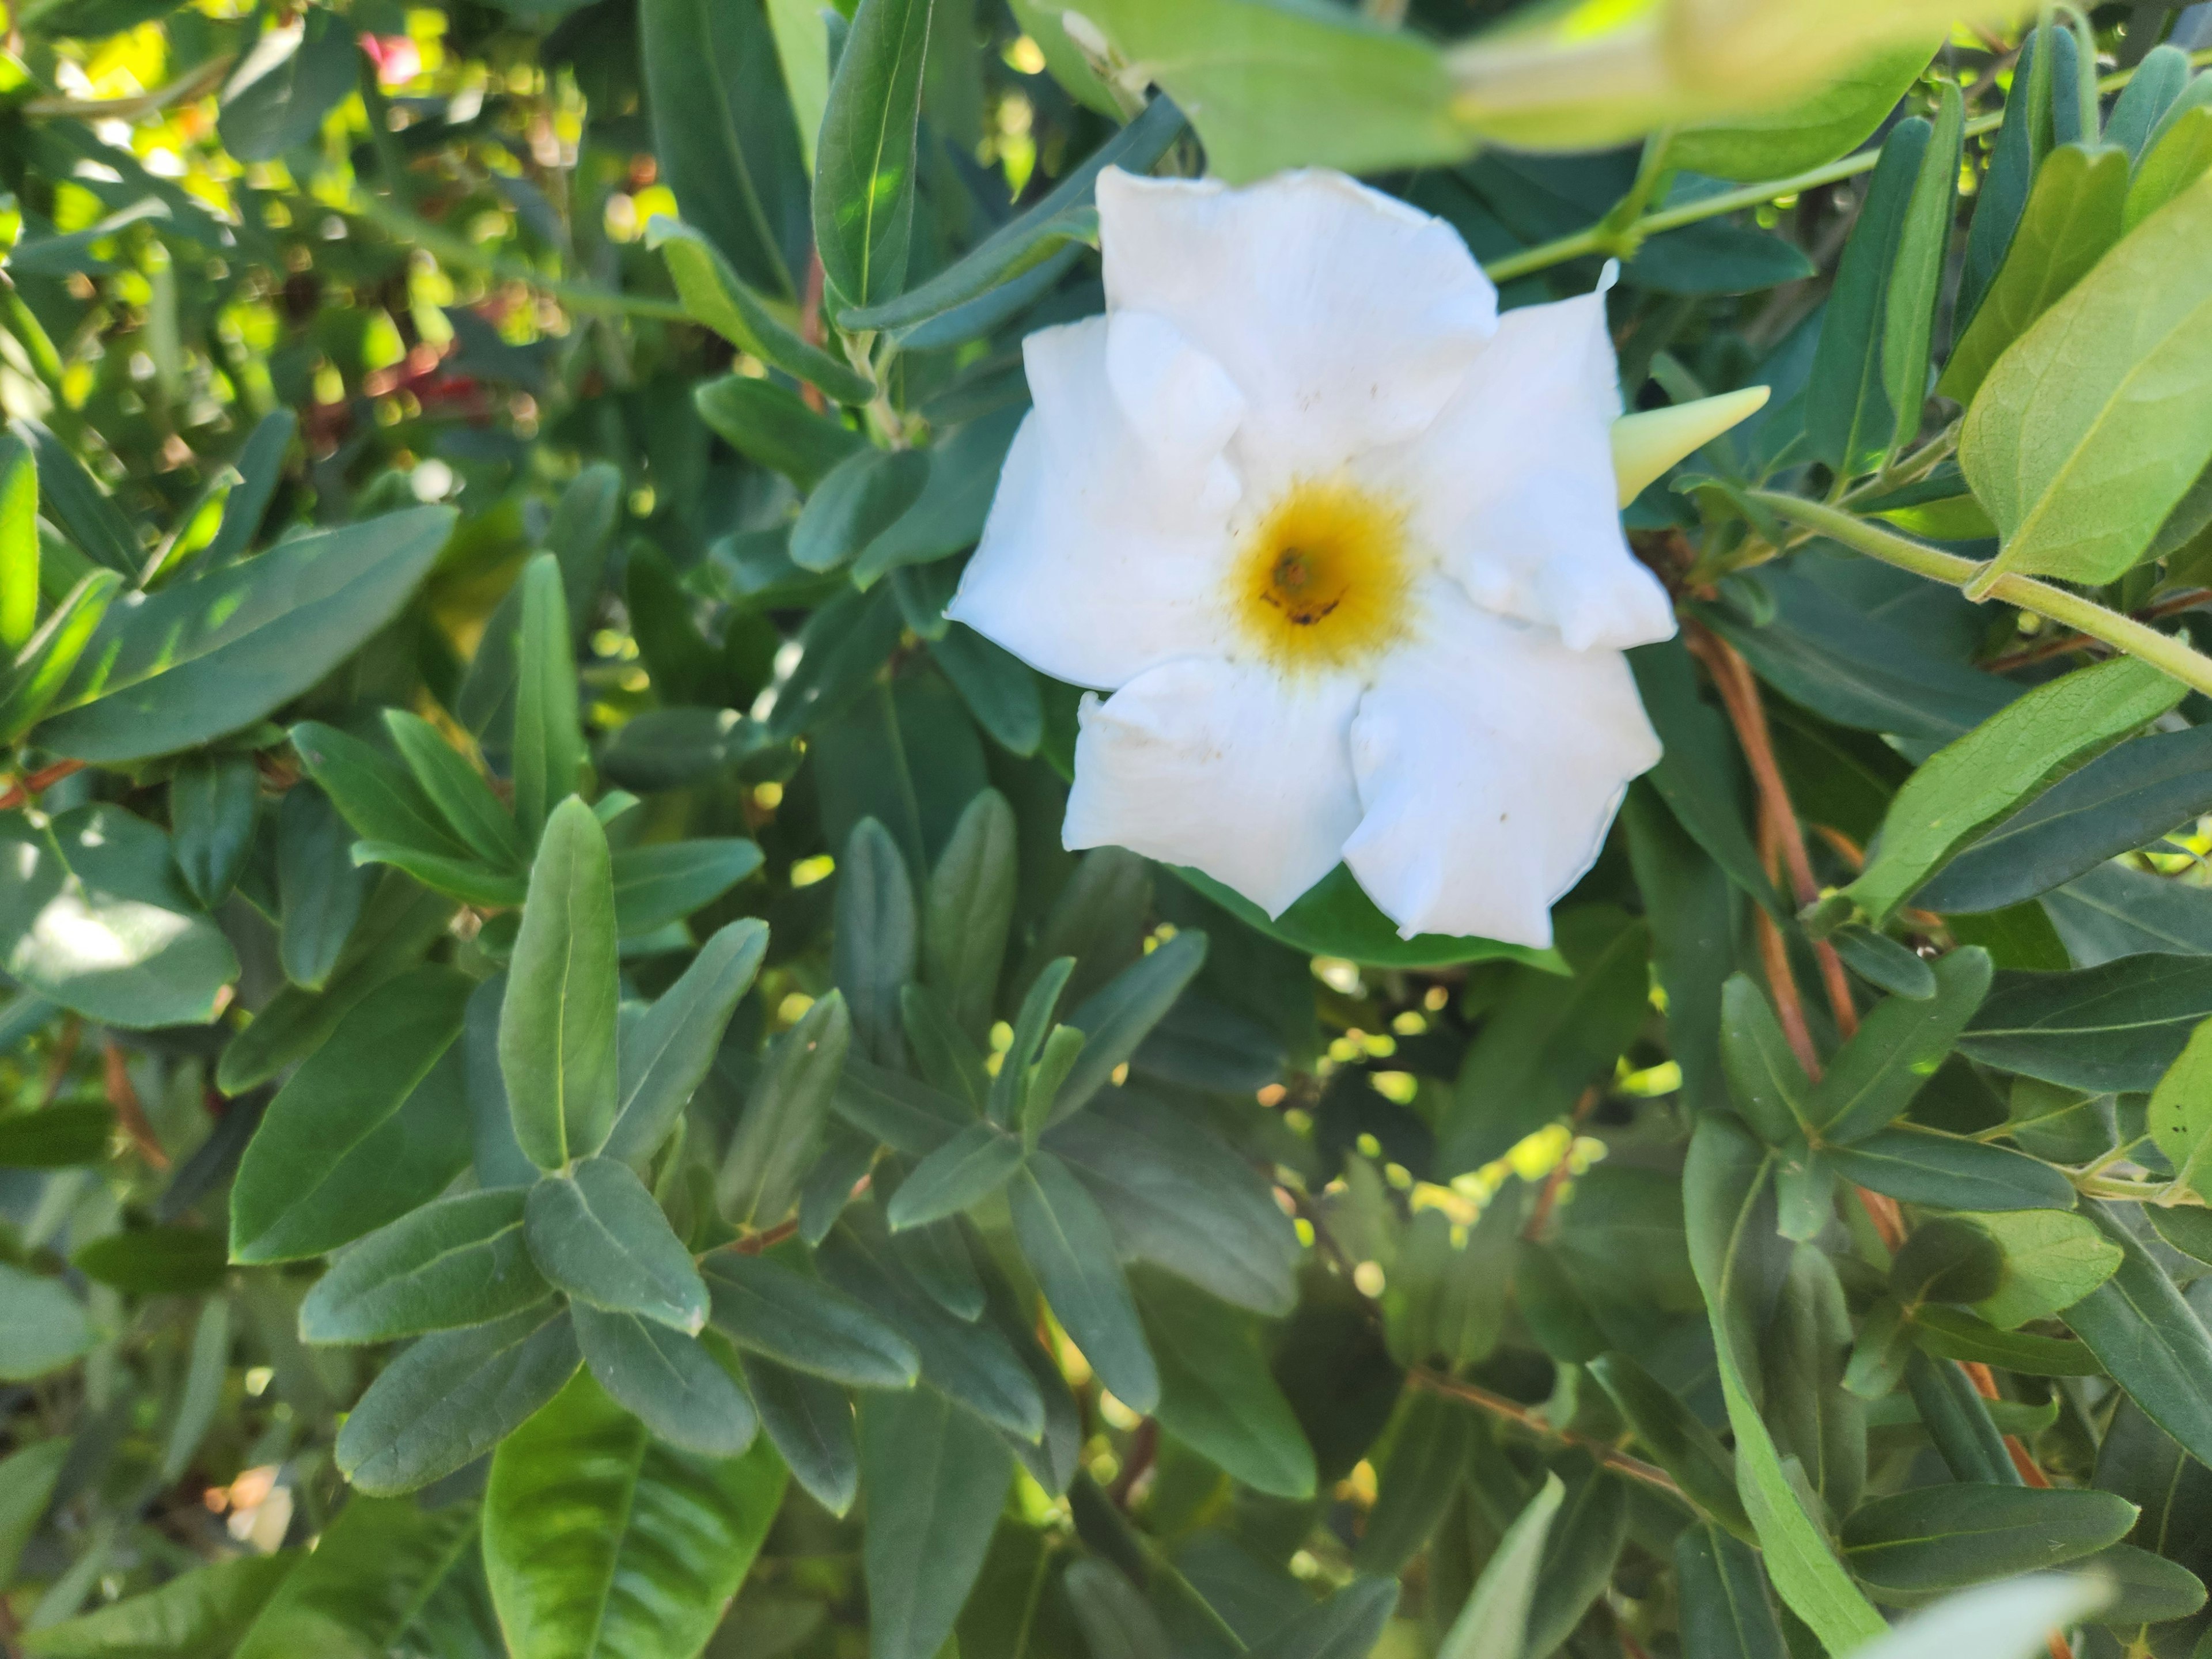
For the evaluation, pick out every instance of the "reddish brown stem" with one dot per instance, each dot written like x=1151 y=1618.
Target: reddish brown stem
x=2043 y=650
x=25 y=789
x=63 y=1056
x=1547 y=1199
x=1144 y=1446
x=129 y=1111
x=1512 y=1411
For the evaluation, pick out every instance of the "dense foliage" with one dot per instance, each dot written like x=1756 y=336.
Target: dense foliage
x=560 y=1094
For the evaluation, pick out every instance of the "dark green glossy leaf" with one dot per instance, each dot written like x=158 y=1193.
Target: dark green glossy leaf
x=875 y=943
x=809 y=1423
x=1065 y=1239
x=765 y=1307
x=668 y=1379
x=781 y=1128
x=1954 y=1334
x=2116 y=1026
x=968 y=905
x=857 y=500
x=1914 y=1546
x=1874 y=1076
x=667 y=1051
x=557 y=1025
x=726 y=303
x=1418 y=1480
x=30 y=684
x=667 y=881
x=1726 y=1611
x=2149 y=1340
x=1925 y=1166
x=864 y=160
x=459 y=1261
x=1851 y=418
x=213 y=800
x=1673 y=1438
x=548 y=743
x=966 y=1171
x=595 y=1232
x=769 y=423
x=464 y=802
x=1216 y=1394
x=936 y=1479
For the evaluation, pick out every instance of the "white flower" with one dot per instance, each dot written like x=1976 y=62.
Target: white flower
x=1342 y=544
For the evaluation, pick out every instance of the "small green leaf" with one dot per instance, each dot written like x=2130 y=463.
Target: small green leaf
x=377 y=797
x=1913 y=1546
x=596 y=1233
x=858 y=498
x=282 y=106
x=726 y=303
x=1673 y=1438
x=42 y=1326
x=668 y=1379
x=810 y=1424
x=667 y=881
x=2180 y=1113
x=1926 y=1166
x=1876 y=1075
x=769 y=423
x=156 y=1260
x=55 y=1137
x=667 y=1051
x=874 y=945
x=18 y=544
x=1769 y=1087
x=1726 y=1611
x=968 y=906
x=1065 y=1238
x=2177 y=153
x=1850 y=417
x=780 y=1130
x=556 y=1027
x=49 y=657
x=964 y=1171
x=460 y=1260
x=1118 y=1017
x=1216 y=1393
x=1495 y=1619
x=864 y=185
x=469 y=811
x=765 y=1307
x=1916 y=279
x=548 y=743
x=2149 y=1340
x=936 y=1479
x=2051 y=1261
x=214 y=799
x=2114 y=1027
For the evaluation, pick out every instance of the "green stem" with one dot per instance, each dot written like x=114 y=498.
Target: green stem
x=2163 y=652
x=1602 y=239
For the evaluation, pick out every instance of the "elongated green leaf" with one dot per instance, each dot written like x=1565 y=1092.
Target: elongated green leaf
x=354 y=1597
x=380 y=800
x=2073 y=215
x=1957 y=1423
x=93 y=916
x=998 y=686
x=1769 y=1087
x=459 y=1261
x=156 y=1261
x=777 y=1137
x=1117 y=1622
x=209 y=655
x=18 y=544
x=200 y=1614
x=1117 y=1018
x=213 y=801
x=1429 y=1449
x=2116 y=1026
x=765 y=1307
x=865 y=159
x=1723 y=1183
x=597 y=1234
x=556 y=1027
x=1916 y=280
x=1849 y=415
x=668 y=1379
x=1496 y=1617
x=1915 y=1545
x=55 y=1137
x=1216 y=1393
x=548 y=743
x=809 y=1423
x=906 y=1115
x=1925 y=1166
x=666 y=882
x=1673 y=1438
x=370 y=1126
x=50 y=655
x=858 y=498
x=968 y=906
x=1954 y=1334
x=27 y=1486
x=260 y=467
x=2180 y=1112
x=2149 y=1340
x=2021 y=748
x=966 y=1171
x=452 y=1397
x=73 y=500
x=42 y=1326
x=1726 y=1612
x=1876 y=1075
x=935 y=1479
x=1065 y=1238
x=469 y=811
x=726 y=303
x=1032 y=235
x=599 y=1540
x=2079 y=468
x=2178 y=152
x=319 y=892
x=769 y=423
x=1813 y=128
x=667 y=1052
x=304 y=69
x=875 y=943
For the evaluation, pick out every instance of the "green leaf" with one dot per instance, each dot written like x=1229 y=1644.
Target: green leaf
x=1495 y=1619
x=1176 y=1197
x=74 y=503
x=2051 y=1261
x=260 y=467
x=370 y=1126
x=1913 y=1546
x=213 y=801
x=199 y=1614
x=769 y=423
x=1065 y=1238
x=463 y=879
x=599 y=1540
x=453 y=1396
x=666 y=1379
x=1958 y=1425
x=1119 y=1016
x=1024 y=241
x=964 y=1171
x=26 y=1487
x=1271 y=86
x=968 y=906
x=2149 y=1340
x=1815 y=127
x=2178 y=152
x=354 y=1595
x=1926 y=1166
x=1953 y=1333
x=908 y=1116
x=556 y=1027
x=998 y=686
x=1675 y=1440
x=1580 y=1551
x=1031 y=1026
x=809 y=1423
x=2020 y=750
x=936 y=1479
x=1916 y=280
x=94 y=916
x=548 y=743
x=666 y=882
x=379 y=799
x=18 y=544
x=765 y=1307
x=469 y=811
x=1418 y=1478
x=1699 y=775
x=874 y=946
x=2146 y=1588
x=865 y=158
x=1874 y=1076
x=42 y=1326
x=1333 y=918
x=2073 y=215
x=2188 y=1231
x=857 y=500
x=949 y=514
x=1769 y=1087
x=1725 y=1610
x=459 y=1261
x=1217 y=1396
x=667 y=1051
x=55 y=1137
x=596 y=1233
x=2099 y=419
x=780 y=1131
x=2114 y=1027
x=156 y=1261
x=293 y=78
x=2179 y=1117
x=732 y=161
x=716 y=295
x=1117 y=1622
x=319 y=890
x=971 y=1364
x=1723 y=1184
x=45 y=664
x=1347 y=1626
x=1850 y=417
x=210 y=655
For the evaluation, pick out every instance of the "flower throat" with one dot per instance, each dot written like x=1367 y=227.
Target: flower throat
x=1322 y=580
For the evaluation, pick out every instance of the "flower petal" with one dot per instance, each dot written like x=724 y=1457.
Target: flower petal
x=1347 y=318
x=1514 y=485
x=1491 y=759
x=1106 y=545
x=1235 y=770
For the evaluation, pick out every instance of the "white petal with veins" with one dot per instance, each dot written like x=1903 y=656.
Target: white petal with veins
x=1224 y=769
x=1491 y=759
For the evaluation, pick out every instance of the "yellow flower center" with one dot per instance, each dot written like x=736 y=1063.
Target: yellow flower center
x=1324 y=578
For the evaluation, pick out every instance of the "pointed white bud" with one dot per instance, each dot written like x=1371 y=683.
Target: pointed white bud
x=1646 y=445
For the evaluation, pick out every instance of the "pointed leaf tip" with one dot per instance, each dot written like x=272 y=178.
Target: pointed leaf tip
x=1645 y=444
